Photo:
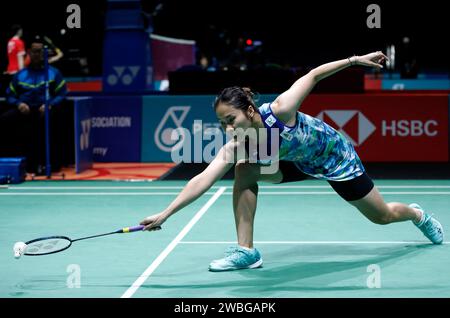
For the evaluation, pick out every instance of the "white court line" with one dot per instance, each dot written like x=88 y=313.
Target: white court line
x=332 y=192
x=312 y=242
x=207 y=193
x=378 y=186
x=100 y=188
x=141 y=279
x=214 y=187
x=88 y=193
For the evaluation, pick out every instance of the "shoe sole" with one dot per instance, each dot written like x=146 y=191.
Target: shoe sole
x=254 y=265
x=257 y=264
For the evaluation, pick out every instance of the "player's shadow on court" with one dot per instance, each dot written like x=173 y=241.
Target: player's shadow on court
x=336 y=264
x=305 y=268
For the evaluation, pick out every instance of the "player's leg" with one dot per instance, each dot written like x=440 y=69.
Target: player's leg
x=362 y=194
x=378 y=211
x=245 y=194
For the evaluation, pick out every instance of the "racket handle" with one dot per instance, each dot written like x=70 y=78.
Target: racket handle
x=134 y=229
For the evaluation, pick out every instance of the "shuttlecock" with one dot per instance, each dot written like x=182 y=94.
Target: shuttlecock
x=19 y=249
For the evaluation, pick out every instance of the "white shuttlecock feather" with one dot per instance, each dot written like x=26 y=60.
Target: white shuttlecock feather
x=19 y=249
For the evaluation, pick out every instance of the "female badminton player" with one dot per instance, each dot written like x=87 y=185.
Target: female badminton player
x=307 y=147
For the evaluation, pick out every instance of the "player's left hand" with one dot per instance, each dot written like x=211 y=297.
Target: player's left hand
x=374 y=59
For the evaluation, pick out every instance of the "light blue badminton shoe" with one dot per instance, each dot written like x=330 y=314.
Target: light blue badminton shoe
x=237 y=258
x=429 y=226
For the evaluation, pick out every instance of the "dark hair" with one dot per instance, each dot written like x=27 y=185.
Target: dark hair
x=237 y=97
x=38 y=39
x=15 y=28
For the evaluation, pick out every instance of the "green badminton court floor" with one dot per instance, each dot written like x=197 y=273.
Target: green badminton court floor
x=313 y=243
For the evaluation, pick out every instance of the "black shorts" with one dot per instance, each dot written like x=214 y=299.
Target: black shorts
x=349 y=190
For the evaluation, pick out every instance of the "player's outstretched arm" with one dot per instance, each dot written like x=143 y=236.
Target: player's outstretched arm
x=287 y=104
x=196 y=186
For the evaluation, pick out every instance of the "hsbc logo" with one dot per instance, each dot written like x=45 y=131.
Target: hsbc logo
x=351 y=123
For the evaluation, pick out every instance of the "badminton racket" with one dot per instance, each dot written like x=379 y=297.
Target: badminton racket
x=55 y=244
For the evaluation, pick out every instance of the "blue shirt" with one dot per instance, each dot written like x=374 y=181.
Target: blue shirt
x=316 y=148
x=28 y=86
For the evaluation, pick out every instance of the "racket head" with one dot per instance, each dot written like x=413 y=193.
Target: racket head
x=47 y=245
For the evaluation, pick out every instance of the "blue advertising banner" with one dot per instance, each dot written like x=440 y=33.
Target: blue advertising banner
x=172 y=126
x=116 y=129
x=415 y=84
x=83 y=136
x=127 y=63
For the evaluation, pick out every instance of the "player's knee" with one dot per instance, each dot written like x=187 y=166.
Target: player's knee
x=246 y=170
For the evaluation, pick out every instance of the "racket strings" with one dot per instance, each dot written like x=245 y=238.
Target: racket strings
x=47 y=246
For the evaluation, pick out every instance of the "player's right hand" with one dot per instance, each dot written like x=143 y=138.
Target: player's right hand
x=153 y=222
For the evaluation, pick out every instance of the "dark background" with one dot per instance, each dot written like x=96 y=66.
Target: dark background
x=296 y=33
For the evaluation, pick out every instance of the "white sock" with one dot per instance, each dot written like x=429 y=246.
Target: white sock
x=422 y=217
x=246 y=248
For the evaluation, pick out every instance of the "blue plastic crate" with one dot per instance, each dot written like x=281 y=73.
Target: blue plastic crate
x=13 y=169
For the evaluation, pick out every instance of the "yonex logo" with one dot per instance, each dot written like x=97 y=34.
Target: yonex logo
x=352 y=123
x=85 y=131
x=126 y=74
x=398 y=86
x=270 y=121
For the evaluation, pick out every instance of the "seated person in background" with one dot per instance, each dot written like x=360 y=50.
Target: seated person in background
x=23 y=124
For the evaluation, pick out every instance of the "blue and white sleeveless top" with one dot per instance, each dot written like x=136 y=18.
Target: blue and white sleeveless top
x=316 y=148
